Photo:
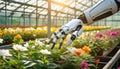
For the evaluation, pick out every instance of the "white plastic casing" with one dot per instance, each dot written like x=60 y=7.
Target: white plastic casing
x=100 y=9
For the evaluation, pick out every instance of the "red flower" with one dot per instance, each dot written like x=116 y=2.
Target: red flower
x=97 y=61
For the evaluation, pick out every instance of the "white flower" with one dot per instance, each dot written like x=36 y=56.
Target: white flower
x=4 y=52
x=34 y=35
x=26 y=45
x=17 y=30
x=71 y=49
x=45 y=51
x=39 y=29
x=29 y=29
x=38 y=42
x=11 y=30
x=1 y=40
x=19 y=47
x=47 y=45
x=33 y=46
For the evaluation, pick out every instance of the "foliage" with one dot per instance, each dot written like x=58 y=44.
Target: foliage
x=35 y=54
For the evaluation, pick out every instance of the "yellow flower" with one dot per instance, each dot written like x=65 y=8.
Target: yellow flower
x=1 y=34
x=4 y=31
x=17 y=37
x=27 y=32
x=11 y=32
x=86 y=49
x=66 y=38
x=36 y=32
x=53 y=29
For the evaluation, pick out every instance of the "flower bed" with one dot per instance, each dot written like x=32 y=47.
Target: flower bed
x=91 y=28
x=8 y=34
x=38 y=55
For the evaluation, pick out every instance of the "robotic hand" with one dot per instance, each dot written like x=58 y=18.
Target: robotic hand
x=101 y=10
x=75 y=27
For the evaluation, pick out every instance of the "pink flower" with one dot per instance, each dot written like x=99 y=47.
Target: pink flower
x=118 y=67
x=84 y=65
x=108 y=33
x=99 y=35
x=113 y=34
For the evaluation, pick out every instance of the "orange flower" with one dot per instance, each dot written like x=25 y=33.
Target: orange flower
x=79 y=52
x=86 y=49
x=97 y=61
x=17 y=37
x=11 y=32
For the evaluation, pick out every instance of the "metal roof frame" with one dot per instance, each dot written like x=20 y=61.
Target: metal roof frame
x=64 y=6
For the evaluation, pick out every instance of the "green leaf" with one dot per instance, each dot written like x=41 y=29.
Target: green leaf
x=52 y=66
x=29 y=64
x=12 y=62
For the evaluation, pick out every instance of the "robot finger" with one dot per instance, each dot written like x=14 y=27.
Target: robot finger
x=57 y=35
x=75 y=34
x=54 y=42
x=61 y=42
x=71 y=39
x=54 y=35
x=51 y=39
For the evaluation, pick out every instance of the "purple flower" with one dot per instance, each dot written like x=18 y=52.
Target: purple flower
x=84 y=65
x=99 y=35
x=118 y=67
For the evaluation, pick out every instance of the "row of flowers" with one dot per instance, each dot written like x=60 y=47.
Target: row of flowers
x=91 y=28
x=8 y=34
x=25 y=33
x=98 y=40
x=38 y=55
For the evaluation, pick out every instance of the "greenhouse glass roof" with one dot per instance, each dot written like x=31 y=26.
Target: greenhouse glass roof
x=58 y=7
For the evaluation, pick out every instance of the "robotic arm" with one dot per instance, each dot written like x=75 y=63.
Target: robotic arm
x=101 y=10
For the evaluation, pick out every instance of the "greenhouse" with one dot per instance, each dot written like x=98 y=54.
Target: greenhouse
x=59 y=34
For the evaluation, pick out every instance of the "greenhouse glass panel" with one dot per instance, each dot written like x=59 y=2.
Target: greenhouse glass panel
x=45 y=5
x=33 y=2
x=14 y=4
x=72 y=4
x=2 y=5
x=53 y=13
x=44 y=12
x=17 y=14
x=23 y=1
x=20 y=9
x=40 y=3
x=28 y=10
x=10 y=7
x=56 y=7
x=1 y=1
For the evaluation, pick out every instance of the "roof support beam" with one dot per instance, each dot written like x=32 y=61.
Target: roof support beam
x=35 y=9
x=17 y=8
x=39 y=7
